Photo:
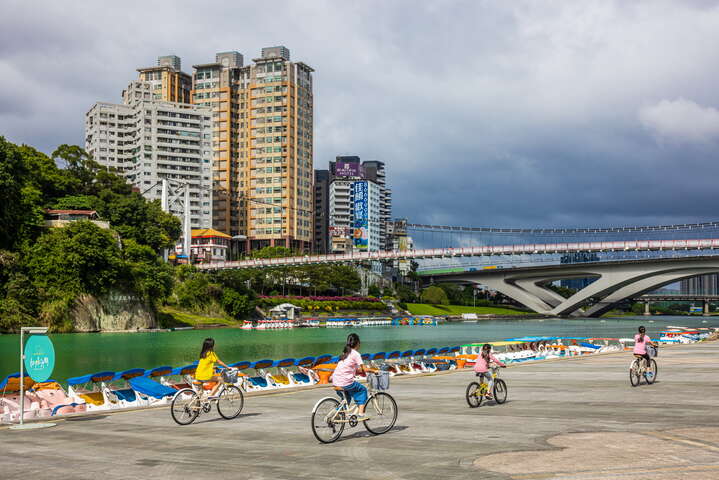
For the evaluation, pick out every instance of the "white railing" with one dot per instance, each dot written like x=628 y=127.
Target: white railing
x=528 y=249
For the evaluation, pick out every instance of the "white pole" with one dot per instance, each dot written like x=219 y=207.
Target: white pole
x=188 y=230
x=165 y=208
x=22 y=377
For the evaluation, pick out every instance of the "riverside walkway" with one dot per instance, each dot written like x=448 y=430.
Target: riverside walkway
x=568 y=419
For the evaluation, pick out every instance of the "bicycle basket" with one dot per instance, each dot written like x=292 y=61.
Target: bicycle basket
x=379 y=381
x=652 y=351
x=229 y=376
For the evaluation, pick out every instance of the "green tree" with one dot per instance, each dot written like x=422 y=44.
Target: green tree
x=80 y=258
x=434 y=296
x=374 y=291
x=236 y=304
x=150 y=276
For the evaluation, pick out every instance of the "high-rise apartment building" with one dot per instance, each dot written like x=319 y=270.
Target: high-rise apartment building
x=168 y=81
x=343 y=174
x=262 y=131
x=148 y=140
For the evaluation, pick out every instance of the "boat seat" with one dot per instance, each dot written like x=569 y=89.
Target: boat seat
x=302 y=377
x=281 y=379
x=94 y=398
x=258 y=381
x=126 y=394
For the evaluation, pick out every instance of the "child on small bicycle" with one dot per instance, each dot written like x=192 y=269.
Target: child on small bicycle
x=343 y=377
x=206 y=366
x=641 y=340
x=482 y=365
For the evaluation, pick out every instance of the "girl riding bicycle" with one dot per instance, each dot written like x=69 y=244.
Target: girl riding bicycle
x=481 y=367
x=344 y=375
x=641 y=340
x=206 y=366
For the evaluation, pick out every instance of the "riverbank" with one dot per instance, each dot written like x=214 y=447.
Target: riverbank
x=458 y=310
x=574 y=418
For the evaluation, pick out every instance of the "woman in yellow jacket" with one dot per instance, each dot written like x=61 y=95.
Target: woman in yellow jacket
x=206 y=366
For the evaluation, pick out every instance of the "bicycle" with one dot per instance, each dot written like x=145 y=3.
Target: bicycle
x=330 y=416
x=189 y=403
x=638 y=369
x=477 y=391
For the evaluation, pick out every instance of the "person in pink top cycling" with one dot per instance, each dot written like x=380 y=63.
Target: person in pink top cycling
x=485 y=360
x=343 y=377
x=641 y=340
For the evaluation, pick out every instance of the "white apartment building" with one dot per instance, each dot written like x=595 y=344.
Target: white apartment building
x=148 y=140
x=342 y=215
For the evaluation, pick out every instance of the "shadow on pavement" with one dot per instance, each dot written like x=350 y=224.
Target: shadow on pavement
x=220 y=419
x=365 y=433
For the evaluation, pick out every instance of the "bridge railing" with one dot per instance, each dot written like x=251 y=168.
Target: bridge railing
x=526 y=249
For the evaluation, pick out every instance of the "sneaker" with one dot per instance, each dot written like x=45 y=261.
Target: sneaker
x=362 y=417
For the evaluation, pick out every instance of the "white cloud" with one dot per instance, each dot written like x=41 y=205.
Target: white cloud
x=681 y=120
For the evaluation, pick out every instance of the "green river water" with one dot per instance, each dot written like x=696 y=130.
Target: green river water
x=78 y=353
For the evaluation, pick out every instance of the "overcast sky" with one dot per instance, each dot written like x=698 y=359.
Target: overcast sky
x=573 y=113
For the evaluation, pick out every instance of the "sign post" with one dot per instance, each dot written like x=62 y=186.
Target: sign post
x=40 y=361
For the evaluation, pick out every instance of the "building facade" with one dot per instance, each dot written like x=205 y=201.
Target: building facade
x=262 y=131
x=321 y=212
x=701 y=285
x=167 y=80
x=149 y=140
x=339 y=209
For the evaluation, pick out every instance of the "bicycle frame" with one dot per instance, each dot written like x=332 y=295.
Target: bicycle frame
x=345 y=407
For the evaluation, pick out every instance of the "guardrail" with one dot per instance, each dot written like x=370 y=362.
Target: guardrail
x=527 y=249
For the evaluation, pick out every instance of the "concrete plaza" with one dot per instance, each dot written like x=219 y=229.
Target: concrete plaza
x=568 y=419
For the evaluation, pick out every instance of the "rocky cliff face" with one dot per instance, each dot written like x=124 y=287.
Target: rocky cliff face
x=114 y=312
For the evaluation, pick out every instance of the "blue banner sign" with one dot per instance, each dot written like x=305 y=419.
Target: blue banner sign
x=359 y=232
x=39 y=357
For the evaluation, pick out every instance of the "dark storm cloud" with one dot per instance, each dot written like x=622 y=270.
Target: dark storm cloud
x=486 y=113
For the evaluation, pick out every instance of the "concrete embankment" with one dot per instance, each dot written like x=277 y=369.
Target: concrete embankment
x=569 y=419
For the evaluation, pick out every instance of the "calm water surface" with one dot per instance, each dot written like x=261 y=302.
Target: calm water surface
x=79 y=353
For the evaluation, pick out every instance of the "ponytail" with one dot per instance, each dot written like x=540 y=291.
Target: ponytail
x=641 y=333
x=352 y=342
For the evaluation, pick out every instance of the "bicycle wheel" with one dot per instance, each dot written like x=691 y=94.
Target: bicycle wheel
x=634 y=375
x=651 y=374
x=327 y=421
x=500 y=391
x=230 y=403
x=185 y=407
x=474 y=395
x=382 y=412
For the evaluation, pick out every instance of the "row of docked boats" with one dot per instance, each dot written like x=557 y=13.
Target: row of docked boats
x=275 y=324
x=139 y=387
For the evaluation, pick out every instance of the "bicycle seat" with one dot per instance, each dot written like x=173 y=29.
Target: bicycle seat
x=338 y=389
x=207 y=385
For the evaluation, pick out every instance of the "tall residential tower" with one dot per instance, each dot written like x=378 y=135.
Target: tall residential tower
x=262 y=129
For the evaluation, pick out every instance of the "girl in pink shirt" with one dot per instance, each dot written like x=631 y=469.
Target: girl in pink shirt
x=343 y=377
x=481 y=367
x=641 y=340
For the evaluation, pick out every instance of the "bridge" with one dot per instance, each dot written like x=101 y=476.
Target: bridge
x=625 y=262
x=483 y=251
x=614 y=281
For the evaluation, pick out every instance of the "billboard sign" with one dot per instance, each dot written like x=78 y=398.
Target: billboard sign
x=360 y=237
x=348 y=169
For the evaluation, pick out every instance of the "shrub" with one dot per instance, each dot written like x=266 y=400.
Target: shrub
x=434 y=296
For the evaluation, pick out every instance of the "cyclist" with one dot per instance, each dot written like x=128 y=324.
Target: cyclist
x=482 y=365
x=206 y=366
x=641 y=340
x=344 y=374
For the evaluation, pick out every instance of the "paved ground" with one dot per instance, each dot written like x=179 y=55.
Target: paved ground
x=573 y=419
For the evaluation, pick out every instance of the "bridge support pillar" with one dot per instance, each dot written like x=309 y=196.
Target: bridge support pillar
x=646 y=309
x=706 y=308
